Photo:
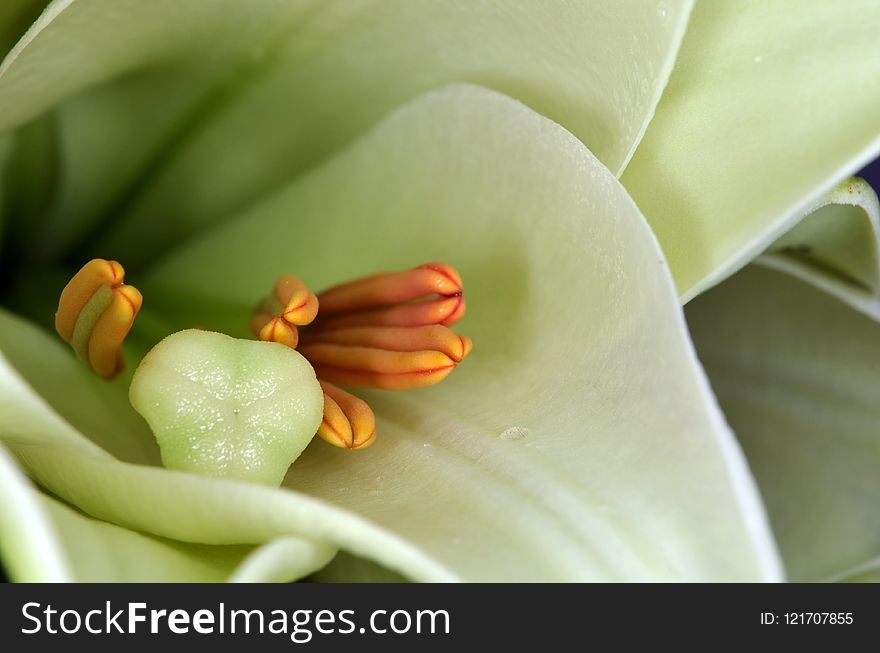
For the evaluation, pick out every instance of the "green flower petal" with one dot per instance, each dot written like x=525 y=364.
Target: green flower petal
x=176 y=505
x=277 y=86
x=28 y=544
x=797 y=372
x=836 y=247
x=15 y=17
x=91 y=405
x=771 y=104
x=101 y=552
x=867 y=573
x=43 y=540
x=556 y=436
x=282 y=560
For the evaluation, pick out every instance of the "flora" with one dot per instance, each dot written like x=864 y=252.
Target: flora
x=588 y=170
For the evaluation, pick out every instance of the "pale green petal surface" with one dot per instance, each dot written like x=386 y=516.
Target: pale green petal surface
x=837 y=247
x=90 y=404
x=100 y=552
x=797 y=371
x=556 y=434
x=43 y=540
x=275 y=87
x=867 y=573
x=771 y=104
x=29 y=545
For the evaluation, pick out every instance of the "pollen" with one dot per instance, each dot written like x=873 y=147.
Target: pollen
x=388 y=331
x=95 y=313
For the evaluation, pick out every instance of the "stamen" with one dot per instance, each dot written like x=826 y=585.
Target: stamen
x=388 y=331
x=277 y=317
x=300 y=304
x=279 y=330
x=391 y=288
x=348 y=422
x=368 y=367
x=402 y=339
x=96 y=312
x=446 y=311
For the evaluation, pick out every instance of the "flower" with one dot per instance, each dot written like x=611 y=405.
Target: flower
x=231 y=144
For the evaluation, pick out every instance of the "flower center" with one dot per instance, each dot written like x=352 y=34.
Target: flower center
x=388 y=331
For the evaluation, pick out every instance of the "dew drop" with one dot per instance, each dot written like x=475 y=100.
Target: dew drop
x=758 y=59
x=514 y=433
x=663 y=10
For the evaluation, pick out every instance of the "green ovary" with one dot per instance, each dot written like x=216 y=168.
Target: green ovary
x=221 y=406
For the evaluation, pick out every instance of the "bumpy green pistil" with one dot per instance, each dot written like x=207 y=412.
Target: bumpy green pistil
x=221 y=406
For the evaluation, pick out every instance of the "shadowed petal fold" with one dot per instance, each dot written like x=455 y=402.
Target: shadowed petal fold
x=797 y=371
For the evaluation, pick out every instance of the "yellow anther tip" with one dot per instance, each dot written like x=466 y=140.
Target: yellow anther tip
x=349 y=422
x=278 y=330
x=79 y=290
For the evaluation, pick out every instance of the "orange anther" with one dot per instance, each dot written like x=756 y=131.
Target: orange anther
x=391 y=288
x=403 y=339
x=277 y=317
x=348 y=422
x=386 y=331
x=95 y=313
x=300 y=305
x=80 y=289
x=279 y=330
x=444 y=310
x=377 y=368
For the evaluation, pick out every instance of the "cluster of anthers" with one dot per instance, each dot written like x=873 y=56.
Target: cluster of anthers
x=388 y=331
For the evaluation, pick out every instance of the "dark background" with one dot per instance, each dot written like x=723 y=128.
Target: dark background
x=871 y=173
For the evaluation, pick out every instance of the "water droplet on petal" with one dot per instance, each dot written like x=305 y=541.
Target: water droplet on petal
x=663 y=10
